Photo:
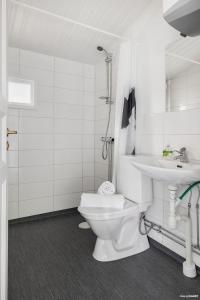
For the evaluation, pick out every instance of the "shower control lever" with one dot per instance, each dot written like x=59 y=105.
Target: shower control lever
x=108 y=100
x=107 y=140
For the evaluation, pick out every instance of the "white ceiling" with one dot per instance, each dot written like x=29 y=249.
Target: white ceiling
x=33 y=30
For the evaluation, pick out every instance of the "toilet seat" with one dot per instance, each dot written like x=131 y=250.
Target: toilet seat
x=107 y=213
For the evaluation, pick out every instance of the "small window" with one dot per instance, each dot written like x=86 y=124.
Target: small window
x=20 y=92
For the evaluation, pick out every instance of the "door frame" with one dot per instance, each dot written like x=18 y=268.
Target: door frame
x=3 y=160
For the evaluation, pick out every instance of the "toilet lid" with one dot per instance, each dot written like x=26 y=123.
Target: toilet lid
x=103 y=213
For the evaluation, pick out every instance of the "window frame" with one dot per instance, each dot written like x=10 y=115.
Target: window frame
x=19 y=105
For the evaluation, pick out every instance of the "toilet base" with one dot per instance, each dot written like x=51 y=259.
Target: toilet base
x=105 y=251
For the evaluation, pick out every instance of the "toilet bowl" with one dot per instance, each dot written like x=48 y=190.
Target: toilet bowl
x=116 y=230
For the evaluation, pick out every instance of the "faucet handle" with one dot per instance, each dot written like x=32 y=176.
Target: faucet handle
x=182 y=150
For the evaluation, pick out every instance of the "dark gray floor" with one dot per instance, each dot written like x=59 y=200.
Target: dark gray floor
x=52 y=259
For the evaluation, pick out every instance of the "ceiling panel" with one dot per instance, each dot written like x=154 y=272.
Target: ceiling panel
x=36 y=31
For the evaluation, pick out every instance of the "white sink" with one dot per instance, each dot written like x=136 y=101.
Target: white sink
x=171 y=171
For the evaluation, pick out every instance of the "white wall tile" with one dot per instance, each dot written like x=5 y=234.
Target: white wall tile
x=36 y=60
x=67 y=96
x=70 y=185
x=13 y=210
x=67 y=201
x=12 y=122
x=35 y=141
x=44 y=93
x=68 y=141
x=88 y=127
x=88 y=184
x=12 y=175
x=13 y=55
x=35 y=174
x=88 y=155
x=101 y=111
x=35 y=206
x=68 y=81
x=35 y=190
x=41 y=77
x=35 y=157
x=88 y=141
x=101 y=170
x=88 y=113
x=68 y=171
x=68 y=111
x=13 y=190
x=88 y=169
x=68 y=126
x=41 y=109
x=13 y=69
x=88 y=71
x=98 y=142
x=89 y=84
x=89 y=98
x=13 y=112
x=35 y=125
x=100 y=126
x=68 y=156
x=12 y=159
x=68 y=66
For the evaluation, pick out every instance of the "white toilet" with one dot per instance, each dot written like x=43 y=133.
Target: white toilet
x=117 y=230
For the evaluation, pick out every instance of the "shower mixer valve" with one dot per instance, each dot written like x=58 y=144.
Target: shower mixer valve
x=109 y=140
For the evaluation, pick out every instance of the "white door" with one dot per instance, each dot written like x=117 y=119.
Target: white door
x=3 y=164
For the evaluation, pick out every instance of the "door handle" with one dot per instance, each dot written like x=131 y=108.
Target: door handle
x=11 y=131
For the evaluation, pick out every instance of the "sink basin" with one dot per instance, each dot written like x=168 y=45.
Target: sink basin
x=171 y=171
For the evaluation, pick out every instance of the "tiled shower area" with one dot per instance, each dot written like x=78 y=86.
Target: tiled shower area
x=52 y=159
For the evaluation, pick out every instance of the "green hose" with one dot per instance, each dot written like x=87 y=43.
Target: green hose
x=188 y=189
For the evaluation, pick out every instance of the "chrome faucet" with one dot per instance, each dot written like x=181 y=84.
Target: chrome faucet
x=182 y=155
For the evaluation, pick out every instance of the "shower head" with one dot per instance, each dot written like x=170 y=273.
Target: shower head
x=99 y=48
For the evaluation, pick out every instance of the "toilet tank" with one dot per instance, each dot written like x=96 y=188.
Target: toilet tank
x=133 y=184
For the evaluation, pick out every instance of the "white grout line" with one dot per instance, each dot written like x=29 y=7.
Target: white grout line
x=69 y=20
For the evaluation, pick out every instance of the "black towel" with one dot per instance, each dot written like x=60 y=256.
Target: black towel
x=129 y=104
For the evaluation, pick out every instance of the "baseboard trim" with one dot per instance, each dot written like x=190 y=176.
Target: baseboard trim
x=68 y=211
x=168 y=252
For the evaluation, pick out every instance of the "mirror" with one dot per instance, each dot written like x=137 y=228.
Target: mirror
x=183 y=74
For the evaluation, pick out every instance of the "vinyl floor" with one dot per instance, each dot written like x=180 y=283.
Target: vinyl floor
x=52 y=259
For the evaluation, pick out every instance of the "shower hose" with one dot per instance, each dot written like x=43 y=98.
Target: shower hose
x=106 y=142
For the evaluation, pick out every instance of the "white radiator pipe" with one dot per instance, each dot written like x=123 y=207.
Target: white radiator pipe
x=189 y=268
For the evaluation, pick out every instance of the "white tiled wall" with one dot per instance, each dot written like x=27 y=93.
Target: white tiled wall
x=157 y=128
x=51 y=160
